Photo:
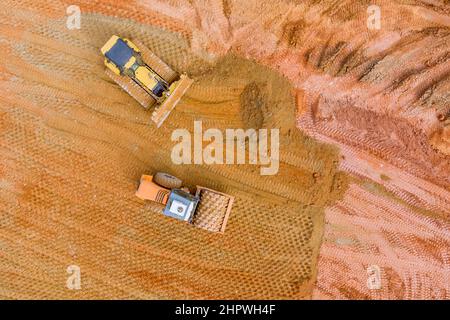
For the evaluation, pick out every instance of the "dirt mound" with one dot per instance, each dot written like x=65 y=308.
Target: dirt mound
x=253 y=105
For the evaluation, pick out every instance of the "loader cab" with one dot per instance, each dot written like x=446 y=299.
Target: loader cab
x=181 y=205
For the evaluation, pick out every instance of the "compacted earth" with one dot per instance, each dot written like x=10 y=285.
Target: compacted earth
x=359 y=208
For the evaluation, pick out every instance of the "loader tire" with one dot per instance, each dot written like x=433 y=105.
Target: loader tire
x=167 y=181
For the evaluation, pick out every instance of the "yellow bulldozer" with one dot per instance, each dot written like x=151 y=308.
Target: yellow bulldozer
x=144 y=76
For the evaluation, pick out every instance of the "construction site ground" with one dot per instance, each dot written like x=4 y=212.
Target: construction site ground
x=364 y=151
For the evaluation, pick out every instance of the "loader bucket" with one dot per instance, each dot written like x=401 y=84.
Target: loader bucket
x=161 y=112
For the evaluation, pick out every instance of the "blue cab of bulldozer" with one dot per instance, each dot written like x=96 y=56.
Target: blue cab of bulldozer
x=120 y=53
x=181 y=205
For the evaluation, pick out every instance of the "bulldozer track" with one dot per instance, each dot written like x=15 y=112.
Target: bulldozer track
x=133 y=89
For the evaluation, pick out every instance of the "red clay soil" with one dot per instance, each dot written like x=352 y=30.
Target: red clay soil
x=381 y=97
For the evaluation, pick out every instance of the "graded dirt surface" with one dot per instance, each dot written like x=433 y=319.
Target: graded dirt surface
x=364 y=164
x=75 y=145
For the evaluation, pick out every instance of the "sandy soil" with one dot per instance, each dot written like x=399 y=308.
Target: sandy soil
x=364 y=173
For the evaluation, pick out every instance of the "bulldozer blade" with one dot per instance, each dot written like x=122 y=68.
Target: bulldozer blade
x=161 y=112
